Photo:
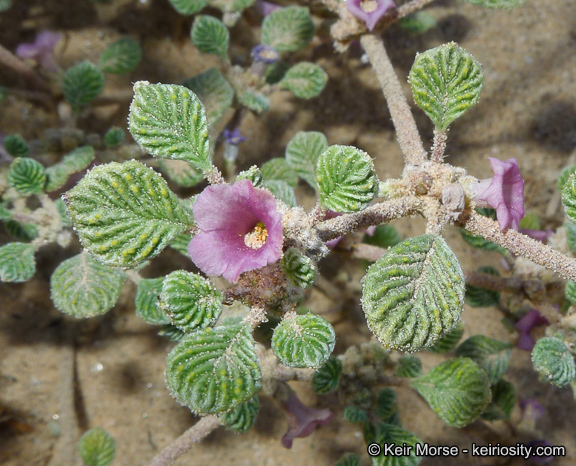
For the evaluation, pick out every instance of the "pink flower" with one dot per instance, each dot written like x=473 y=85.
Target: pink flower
x=538 y=235
x=302 y=420
x=503 y=192
x=525 y=325
x=265 y=8
x=240 y=230
x=41 y=50
x=369 y=11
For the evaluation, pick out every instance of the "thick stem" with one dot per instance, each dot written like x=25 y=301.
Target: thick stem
x=406 y=130
x=439 y=145
x=520 y=245
x=11 y=61
x=186 y=441
x=373 y=215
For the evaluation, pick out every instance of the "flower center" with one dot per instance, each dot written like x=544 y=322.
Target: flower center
x=369 y=6
x=256 y=238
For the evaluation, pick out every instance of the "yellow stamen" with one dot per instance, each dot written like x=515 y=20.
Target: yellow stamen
x=256 y=238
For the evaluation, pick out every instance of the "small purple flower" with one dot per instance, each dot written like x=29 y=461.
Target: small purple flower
x=532 y=409
x=265 y=54
x=302 y=420
x=369 y=11
x=233 y=137
x=525 y=325
x=240 y=230
x=538 y=235
x=265 y=8
x=503 y=192
x=41 y=50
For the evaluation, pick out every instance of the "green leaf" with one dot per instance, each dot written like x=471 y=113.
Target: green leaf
x=25 y=232
x=491 y=355
x=146 y=301
x=446 y=81
x=276 y=71
x=81 y=287
x=231 y=6
x=387 y=434
x=210 y=35
x=17 y=262
x=570 y=292
x=305 y=80
x=214 y=370
x=481 y=243
x=191 y=301
x=171 y=332
x=384 y=236
x=243 y=417
x=554 y=361
x=418 y=22
x=97 y=447
x=255 y=101
x=181 y=172
x=279 y=169
x=82 y=84
x=302 y=153
x=414 y=293
x=213 y=91
x=169 y=121
x=303 y=340
x=254 y=174
x=503 y=401
x=457 y=390
x=564 y=175
x=408 y=366
x=346 y=179
x=569 y=198
x=288 y=29
x=504 y=4
x=188 y=7
x=61 y=208
x=16 y=146
x=354 y=414
x=299 y=268
x=125 y=214
x=385 y=403
x=181 y=242
x=349 y=459
x=449 y=341
x=530 y=221
x=481 y=297
x=120 y=57
x=326 y=378
x=79 y=159
x=5 y=6
x=114 y=137
x=27 y=176
x=571 y=235
x=281 y=191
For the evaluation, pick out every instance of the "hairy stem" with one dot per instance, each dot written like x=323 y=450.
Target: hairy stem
x=406 y=130
x=186 y=441
x=439 y=145
x=373 y=215
x=520 y=245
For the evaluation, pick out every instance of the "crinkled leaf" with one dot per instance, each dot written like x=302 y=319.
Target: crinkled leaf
x=17 y=262
x=188 y=7
x=384 y=236
x=349 y=459
x=326 y=378
x=288 y=29
x=569 y=198
x=82 y=287
x=457 y=390
x=446 y=81
x=214 y=370
x=16 y=146
x=279 y=169
x=254 y=174
x=302 y=153
x=408 y=366
x=24 y=232
x=355 y=414
x=255 y=101
x=387 y=434
x=191 y=301
x=79 y=159
x=414 y=293
x=125 y=214
x=146 y=301
x=449 y=341
x=303 y=340
x=570 y=292
x=210 y=35
x=282 y=191
x=491 y=355
x=346 y=179
x=299 y=268
x=27 y=176
x=305 y=80
x=418 y=22
x=120 y=57
x=97 y=447
x=571 y=235
x=243 y=417
x=481 y=243
x=564 y=175
x=181 y=172
x=481 y=297
x=181 y=242
x=169 y=121
x=114 y=137
x=385 y=403
x=503 y=401
x=82 y=84
x=554 y=361
x=213 y=91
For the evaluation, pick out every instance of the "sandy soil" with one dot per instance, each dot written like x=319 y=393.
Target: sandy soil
x=527 y=111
